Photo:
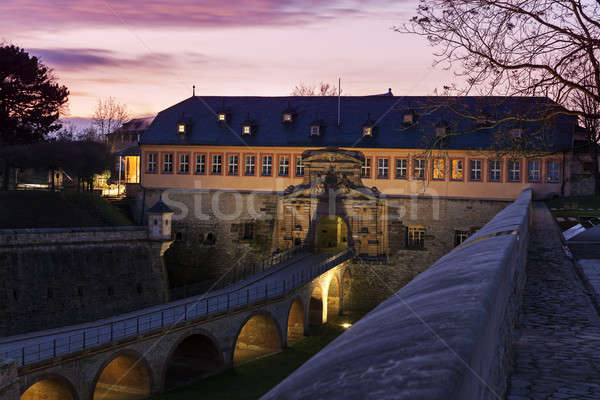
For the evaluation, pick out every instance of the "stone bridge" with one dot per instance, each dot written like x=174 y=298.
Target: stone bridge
x=146 y=352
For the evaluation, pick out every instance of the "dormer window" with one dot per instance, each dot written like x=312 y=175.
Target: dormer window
x=440 y=130
x=288 y=117
x=181 y=128
x=221 y=117
x=367 y=131
x=368 y=127
x=408 y=118
x=517 y=132
x=247 y=130
x=315 y=130
x=248 y=126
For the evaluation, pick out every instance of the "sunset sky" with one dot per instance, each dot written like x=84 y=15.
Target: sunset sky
x=148 y=54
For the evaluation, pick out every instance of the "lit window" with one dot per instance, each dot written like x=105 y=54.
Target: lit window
x=514 y=171
x=365 y=169
x=553 y=172
x=249 y=165
x=460 y=237
x=419 y=169
x=382 y=168
x=401 y=168
x=315 y=130
x=216 y=164
x=152 y=162
x=457 y=170
x=181 y=128
x=267 y=165
x=299 y=167
x=408 y=118
x=287 y=117
x=284 y=165
x=168 y=163
x=438 y=169
x=222 y=117
x=233 y=165
x=495 y=170
x=533 y=171
x=246 y=129
x=415 y=238
x=184 y=163
x=367 y=131
x=475 y=170
x=200 y=164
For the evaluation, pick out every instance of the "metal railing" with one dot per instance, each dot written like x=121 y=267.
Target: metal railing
x=68 y=342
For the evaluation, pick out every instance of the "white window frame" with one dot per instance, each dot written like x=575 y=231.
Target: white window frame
x=266 y=166
x=383 y=168
x=514 y=173
x=495 y=170
x=299 y=166
x=184 y=163
x=233 y=164
x=250 y=165
x=419 y=165
x=168 y=163
x=217 y=164
x=284 y=166
x=200 y=164
x=401 y=168
x=553 y=176
x=366 y=167
x=152 y=162
x=534 y=174
x=475 y=170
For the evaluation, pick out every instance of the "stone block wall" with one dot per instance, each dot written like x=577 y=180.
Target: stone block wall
x=9 y=388
x=441 y=218
x=51 y=278
x=445 y=335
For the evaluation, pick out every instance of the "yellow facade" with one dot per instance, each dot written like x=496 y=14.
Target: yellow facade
x=446 y=173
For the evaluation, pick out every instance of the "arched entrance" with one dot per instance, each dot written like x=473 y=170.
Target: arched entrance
x=295 y=326
x=331 y=235
x=49 y=389
x=315 y=308
x=333 y=298
x=194 y=357
x=258 y=338
x=125 y=377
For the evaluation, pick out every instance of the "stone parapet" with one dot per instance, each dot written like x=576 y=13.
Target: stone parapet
x=445 y=335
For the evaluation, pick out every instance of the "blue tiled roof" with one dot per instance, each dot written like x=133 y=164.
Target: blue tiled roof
x=199 y=113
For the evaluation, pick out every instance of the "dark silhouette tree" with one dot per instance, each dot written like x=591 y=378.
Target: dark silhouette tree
x=322 y=89
x=30 y=101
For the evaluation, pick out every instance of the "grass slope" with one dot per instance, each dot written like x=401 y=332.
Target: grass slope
x=41 y=209
x=252 y=380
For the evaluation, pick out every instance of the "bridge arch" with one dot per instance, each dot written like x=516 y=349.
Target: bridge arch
x=192 y=356
x=50 y=387
x=295 y=321
x=334 y=295
x=315 y=307
x=258 y=336
x=125 y=375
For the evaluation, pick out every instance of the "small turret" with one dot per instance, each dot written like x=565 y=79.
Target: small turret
x=159 y=222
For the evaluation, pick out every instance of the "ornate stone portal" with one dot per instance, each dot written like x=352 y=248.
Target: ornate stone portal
x=332 y=209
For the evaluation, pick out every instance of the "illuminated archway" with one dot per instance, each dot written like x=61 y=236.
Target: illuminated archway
x=315 y=308
x=333 y=298
x=295 y=325
x=50 y=389
x=259 y=337
x=125 y=377
x=192 y=358
x=331 y=234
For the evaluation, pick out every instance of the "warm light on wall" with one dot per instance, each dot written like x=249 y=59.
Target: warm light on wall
x=346 y=325
x=181 y=128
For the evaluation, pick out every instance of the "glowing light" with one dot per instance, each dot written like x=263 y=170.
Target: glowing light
x=346 y=325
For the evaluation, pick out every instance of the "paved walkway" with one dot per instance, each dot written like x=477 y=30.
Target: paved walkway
x=557 y=355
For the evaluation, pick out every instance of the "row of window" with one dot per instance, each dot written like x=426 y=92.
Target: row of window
x=231 y=165
x=415 y=237
x=456 y=170
x=439 y=171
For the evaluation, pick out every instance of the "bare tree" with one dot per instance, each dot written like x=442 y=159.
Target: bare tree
x=109 y=116
x=517 y=47
x=322 y=89
x=520 y=48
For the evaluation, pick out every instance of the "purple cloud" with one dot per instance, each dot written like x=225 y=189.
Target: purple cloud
x=184 y=13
